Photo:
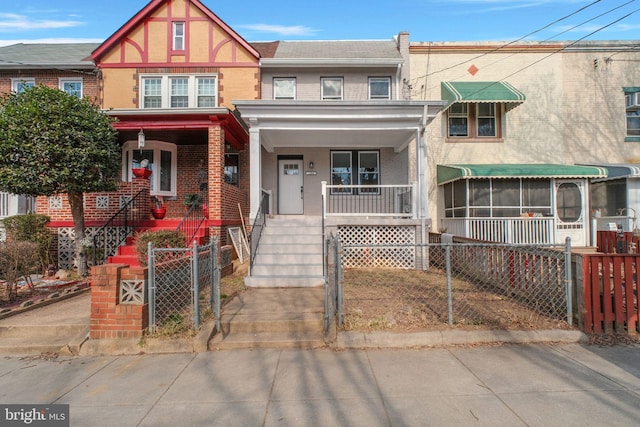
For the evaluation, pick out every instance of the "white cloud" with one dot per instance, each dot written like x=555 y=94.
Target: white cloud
x=296 y=30
x=15 y=22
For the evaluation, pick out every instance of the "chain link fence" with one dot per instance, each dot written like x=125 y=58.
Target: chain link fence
x=184 y=287
x=463 y=285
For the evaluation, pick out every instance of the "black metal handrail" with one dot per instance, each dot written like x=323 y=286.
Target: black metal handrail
x=258 y=226
x=191 y=223
x=128 y=219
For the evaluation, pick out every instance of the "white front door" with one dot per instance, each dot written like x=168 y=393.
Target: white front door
x=290 y=187
x=571 y=212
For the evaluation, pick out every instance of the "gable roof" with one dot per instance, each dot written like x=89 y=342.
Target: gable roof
x=331 y=53
x=47 y=56
x=149 y=9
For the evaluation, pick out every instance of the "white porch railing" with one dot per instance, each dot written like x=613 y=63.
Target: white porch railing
x=396 y=201
x=504 y=230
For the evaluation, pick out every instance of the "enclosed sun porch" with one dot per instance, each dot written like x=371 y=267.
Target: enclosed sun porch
x=517 y=203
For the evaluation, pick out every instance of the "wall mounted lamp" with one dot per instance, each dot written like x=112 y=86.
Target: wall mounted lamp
x=311 y=165
x=141 y=139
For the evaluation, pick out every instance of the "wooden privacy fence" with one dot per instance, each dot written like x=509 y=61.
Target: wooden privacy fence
x=610 y=293
x=609 y=243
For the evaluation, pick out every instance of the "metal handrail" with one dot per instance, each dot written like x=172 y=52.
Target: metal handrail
x=191 y=223
x=129 y=218
x=259 y=223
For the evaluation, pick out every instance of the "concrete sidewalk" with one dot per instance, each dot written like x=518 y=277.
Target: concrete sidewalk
x=510 y=385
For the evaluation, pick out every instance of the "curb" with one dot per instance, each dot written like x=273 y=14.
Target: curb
x=355 y=340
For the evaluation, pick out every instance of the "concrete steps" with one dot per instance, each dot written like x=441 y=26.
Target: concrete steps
x=289 y=254
x=272 y=318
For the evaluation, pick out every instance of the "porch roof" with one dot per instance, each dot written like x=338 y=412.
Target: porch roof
x=325 y=124
x=187 y=119
x=474 y=92
x=450 y=173
x=617 y=171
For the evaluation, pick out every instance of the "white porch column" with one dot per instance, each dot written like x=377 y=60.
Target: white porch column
x=422 y=176
x=256 y=172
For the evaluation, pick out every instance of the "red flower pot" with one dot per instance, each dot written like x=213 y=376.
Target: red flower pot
x=141 y=172
x=159 y=213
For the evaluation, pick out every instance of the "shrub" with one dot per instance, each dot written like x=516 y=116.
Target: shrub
x=17 y=259
x=31 y=228
x=159 y=239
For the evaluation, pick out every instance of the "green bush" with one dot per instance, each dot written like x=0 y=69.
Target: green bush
x=160 y=239
x=31 y=228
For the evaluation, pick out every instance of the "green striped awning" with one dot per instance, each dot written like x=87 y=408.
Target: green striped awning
x=449 y=173
x=473 y=92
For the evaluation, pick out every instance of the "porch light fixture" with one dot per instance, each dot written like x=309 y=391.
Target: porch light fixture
x=141 y=139
x=311 y=165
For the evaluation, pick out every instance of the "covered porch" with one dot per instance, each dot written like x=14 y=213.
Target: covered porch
x=338 y=158
x=517 y=203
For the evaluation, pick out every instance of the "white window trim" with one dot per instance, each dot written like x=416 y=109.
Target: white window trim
x=166 y=89
x=16 y=81
x=325 y=98
x=385 y=79
x=295 y=84
x=64 y=80
x=156 y=146
x=177 y=37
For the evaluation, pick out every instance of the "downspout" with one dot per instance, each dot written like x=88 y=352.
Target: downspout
x=398 y=74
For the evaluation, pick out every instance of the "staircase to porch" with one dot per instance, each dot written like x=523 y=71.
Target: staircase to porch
x=127 y=254
x=289 y=254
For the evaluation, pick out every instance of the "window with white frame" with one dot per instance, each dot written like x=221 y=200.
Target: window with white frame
x=360 y=167
x=179 y=91
x=178 y=36
x=19 y=85
x=632 y=107
x=162 y=158
x=331 y=88
x=284 y=88
x=379 y=88
x=72 y=87
x=474 y=120
x=499 y=198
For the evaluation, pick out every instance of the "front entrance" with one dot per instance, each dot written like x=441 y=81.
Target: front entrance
x=290 y=186
x=570 y=212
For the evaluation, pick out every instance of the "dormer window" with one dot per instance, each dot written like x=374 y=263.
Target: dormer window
x=178 y=36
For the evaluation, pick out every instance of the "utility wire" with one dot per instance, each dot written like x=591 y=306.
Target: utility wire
x=416 y=79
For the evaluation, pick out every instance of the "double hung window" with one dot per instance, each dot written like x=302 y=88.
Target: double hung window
x=359 y=167
x=72 y=87
x=469 y=120
x=632 y=108
x=379 y=88
x=19 y=85
x=179 y=91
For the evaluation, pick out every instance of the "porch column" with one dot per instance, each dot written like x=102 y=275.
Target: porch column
x=421 y=165
x=256 y=172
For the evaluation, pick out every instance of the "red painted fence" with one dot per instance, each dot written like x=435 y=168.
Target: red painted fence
x=611 y=293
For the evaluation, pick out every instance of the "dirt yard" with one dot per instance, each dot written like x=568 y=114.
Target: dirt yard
x=410 y=300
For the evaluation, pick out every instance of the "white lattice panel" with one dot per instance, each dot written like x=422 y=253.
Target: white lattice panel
x=66 y=244
x=364 y=246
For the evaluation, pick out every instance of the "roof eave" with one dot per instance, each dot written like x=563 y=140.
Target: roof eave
x=330 y=62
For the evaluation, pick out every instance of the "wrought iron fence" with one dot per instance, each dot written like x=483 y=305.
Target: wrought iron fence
x=116 y=230
x=396 y=201
x=463 y=285
x=184 y=287
x=258 y=226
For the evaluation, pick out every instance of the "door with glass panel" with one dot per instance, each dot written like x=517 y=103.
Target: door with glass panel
x=570 y=211
x=290 y=187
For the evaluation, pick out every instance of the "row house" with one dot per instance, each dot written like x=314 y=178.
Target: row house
x=537 y=141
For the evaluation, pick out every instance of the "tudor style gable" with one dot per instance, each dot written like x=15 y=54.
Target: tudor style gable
x=176 y=38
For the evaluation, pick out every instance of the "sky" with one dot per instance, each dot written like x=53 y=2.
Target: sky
x=65 y=21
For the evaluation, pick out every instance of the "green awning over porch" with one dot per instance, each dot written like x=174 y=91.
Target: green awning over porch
x=449 y=173
x=472 y=92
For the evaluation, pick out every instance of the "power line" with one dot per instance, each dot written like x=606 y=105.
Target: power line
x=512 y=42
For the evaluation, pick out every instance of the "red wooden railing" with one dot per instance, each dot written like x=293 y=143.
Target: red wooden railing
x=611 y=293
x=608 y=242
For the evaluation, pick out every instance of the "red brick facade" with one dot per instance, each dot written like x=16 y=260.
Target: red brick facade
x=110 y=318
x=51 y=78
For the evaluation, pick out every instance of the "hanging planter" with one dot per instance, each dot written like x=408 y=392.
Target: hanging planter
x=159 y=213
x=141 y=172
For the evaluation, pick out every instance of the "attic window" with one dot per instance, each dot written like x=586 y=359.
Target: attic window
x=178 y=36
